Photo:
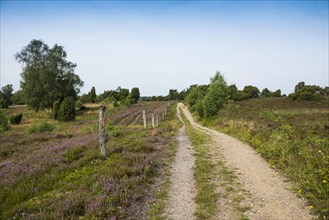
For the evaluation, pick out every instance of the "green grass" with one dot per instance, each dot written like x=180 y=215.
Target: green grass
x=67 y=177
x=292 y=136
x=206 y=195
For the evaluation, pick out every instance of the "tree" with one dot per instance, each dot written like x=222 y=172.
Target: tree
x=232 y=90
x=18 y=98
x=307 y=92
x=6 y=95
x=134 y=95
x=217 y=95
x=299 y=86
x=122 y=93
x=252 y=91
x=173 y=94
x=67 y=110
x=266 y=93
x=92 y=95
x=277 y=93
x=46 y=74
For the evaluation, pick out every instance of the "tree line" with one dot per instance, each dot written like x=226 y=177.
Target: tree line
x=49 y=82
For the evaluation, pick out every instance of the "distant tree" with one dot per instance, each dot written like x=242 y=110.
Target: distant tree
x=232 y=91
x=325 y=91
x=18 y=98
x=266 y=93
x=85 y=98
x=217 y=95
x=299 y=86
x=134 y=95
x=277 y=93
x=47 y=75
x=182 y=94
x=122 y=93
x=307 y=92
x=92 y=95
x=173 y=94
x=241 y=95
x=6 y=95
x=252 y=91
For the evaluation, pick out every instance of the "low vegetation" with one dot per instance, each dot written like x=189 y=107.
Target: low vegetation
x=40 y=127
x=206 y=195
x=16 y=119
x=291 y=135
x=61 y=174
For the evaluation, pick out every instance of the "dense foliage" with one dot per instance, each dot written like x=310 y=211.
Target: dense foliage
x=216 y=97
x=47 y=75
x=92 y=95
x=67 y=110
x=3 y=122
x=6 y=94
x=308 y=92
x=134 y=95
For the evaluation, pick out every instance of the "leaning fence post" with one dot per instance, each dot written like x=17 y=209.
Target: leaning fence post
x=153 y=120
x=103 y=136
x=157 y=120
x=144 y=118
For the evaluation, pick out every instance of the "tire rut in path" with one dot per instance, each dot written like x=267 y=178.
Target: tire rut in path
x=181 y=195
x=269 y=192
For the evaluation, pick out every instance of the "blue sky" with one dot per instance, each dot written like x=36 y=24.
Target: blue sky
x=160 y=45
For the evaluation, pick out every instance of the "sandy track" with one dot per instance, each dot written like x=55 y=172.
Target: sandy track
x=181 y=205
x=269 y=193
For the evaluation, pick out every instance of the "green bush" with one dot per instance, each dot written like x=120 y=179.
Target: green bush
x=3 y=103
x=79 y=106
x=115 y=103
x=307 y=92
x=56 y=107
x=113 y=130
x=67 y=110
x=3 y=122
x=41 y=127
x=15 y=119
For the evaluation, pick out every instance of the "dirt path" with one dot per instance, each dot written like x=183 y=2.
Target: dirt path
x=181 y=204
x=269 y=193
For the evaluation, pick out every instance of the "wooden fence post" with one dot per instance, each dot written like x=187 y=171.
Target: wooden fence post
x=103 y=136
x=157 y=120
x=144 y=118
x=153 y=120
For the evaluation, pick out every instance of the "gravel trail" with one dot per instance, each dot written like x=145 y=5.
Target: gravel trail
x=269 y=192
x=181 y=205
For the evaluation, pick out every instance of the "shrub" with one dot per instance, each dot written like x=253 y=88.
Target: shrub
x=307 y=92
x=15 y=119
x=41 y=127
x=67 y=110
x=115 y=103
x=3 y=122
x=79 y=106
x=252 y=91
x=56 y=107
x=113 y=130
x=3 y=103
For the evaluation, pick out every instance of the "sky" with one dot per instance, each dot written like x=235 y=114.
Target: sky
x=162 y=45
